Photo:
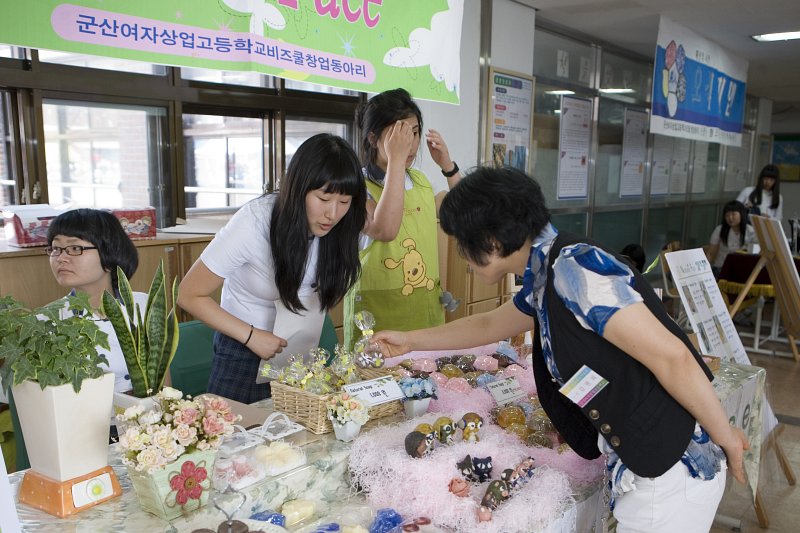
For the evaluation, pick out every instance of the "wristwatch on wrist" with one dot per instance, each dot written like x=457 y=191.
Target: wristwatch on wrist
x=451 y=173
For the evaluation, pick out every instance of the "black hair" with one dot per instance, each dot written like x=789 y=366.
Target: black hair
x=769 y=171
x=104 y=231
x=725 y=229
x=493 y=209
x=634 y=254
x=375 y=115
x=325 y=162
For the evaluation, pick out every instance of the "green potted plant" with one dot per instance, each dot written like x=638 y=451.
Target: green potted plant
x=147 y=337
x=62 y=395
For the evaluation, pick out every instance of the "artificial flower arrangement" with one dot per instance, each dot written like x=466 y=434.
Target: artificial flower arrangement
x=177 y=426
x=417 y=388
x=343 y=408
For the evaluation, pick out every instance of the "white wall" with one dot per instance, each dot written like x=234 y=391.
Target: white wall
x=458 y=124
x=512 y=36
x=511 y=48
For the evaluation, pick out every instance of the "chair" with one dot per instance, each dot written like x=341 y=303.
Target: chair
x=191 y=365
x=328 y=338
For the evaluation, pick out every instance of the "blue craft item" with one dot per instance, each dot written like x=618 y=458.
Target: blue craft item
x=326 y=528
x=484 y=379
x=385 y=521
x=271 y=517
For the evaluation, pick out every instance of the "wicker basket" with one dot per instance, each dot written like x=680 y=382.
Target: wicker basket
x=374 y=373
x=309 y=409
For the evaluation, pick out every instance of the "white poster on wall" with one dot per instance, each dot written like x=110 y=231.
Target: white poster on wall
x=662 y=160
x=699 y=167
x=679 y=170
x=574 y=135
x=634 y=153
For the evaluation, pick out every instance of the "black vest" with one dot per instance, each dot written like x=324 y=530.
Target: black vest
x=647 y=428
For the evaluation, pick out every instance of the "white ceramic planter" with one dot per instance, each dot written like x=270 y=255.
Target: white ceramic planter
x=66 y=434
x=347 y=431
x=414 y=408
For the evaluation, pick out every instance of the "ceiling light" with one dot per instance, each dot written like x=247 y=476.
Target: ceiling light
x=785 y=36
x=617 y=91
x=559 y=92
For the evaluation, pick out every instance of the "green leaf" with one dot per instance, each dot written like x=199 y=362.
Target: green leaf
x=127 y=342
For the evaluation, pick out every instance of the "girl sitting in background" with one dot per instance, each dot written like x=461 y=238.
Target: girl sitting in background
x=734 y=233
x=765 y=198
x=85 y=247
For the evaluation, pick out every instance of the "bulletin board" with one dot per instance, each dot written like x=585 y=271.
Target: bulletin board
x=509 y=128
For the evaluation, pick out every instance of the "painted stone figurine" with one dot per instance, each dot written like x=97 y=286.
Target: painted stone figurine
x=482 y=467
x=466 y=469
x=512 y=478
x=496 y=493
x=418 y=444
x=445 y=430
x=470 y=425
x=459 y=486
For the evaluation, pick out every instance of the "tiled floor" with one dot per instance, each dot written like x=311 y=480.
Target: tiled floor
x=780 y=500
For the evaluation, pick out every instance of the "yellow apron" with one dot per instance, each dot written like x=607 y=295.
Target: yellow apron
x=399 y=281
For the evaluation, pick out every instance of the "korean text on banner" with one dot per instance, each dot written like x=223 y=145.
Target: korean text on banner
x=698 y=88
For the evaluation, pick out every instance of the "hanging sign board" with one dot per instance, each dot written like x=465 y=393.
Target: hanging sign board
x=698 y=88
x=364 y=45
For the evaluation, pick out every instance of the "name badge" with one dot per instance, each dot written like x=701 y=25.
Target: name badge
x=375 y=391
x=583 y=386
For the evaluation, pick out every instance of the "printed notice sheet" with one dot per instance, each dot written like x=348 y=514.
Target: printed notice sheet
x=573 y=147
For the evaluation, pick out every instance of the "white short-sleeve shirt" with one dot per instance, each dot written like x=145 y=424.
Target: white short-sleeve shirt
x=241 y=254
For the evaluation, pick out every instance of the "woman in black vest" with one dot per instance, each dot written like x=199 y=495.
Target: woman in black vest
x=654 y=416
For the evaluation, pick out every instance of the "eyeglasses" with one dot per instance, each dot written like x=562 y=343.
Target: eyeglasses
x=73 y=249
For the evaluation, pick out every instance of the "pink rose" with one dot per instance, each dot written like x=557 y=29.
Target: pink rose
x=213 y=425
x=188 y=416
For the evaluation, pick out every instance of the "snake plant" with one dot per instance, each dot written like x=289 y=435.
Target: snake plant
x=148 y=338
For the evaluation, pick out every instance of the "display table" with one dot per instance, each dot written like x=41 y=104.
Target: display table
x=324 y=479
x=740 y=388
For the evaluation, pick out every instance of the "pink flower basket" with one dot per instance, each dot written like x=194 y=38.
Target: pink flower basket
x=178 y=488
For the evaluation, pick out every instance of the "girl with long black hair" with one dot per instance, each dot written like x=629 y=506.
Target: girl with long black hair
x=296 y=246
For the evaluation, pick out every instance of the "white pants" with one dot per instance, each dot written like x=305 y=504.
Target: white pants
x=674 y=502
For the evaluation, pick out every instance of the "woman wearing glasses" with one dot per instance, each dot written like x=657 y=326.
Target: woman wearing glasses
x=85 y=247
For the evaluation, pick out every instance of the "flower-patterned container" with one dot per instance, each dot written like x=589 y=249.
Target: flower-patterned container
x=178 y=488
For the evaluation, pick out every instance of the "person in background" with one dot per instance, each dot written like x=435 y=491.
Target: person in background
x=599 y=327
x=298 y=245
x=400 y=282
x=765 y=198
x=85 y=247
x=733 y=233
x=634 y=255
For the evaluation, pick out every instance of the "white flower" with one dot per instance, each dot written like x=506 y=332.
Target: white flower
x=162 y=437
x=171 y=451
x=132 y=412
x=150 y=457
x=184 y=434
x=149 y=418
x=134 y=440
x=168 y=393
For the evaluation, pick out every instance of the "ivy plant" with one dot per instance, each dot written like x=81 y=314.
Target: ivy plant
x=37 y=345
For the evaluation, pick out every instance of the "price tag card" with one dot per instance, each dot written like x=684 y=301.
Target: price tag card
x=506 y=390
x=375 y=391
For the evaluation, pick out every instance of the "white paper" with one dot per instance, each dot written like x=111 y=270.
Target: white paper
x=300 y=330
x=679 y=171
x=700 y=170
x=573 y=147
x=705 y=307
x=375 y=391
x=662 y=159
x=634 y=152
